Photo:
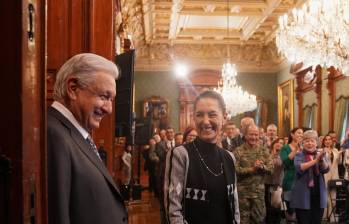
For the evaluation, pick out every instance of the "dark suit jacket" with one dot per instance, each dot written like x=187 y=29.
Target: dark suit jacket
x=80 y=188
x=161 y=151
x=234 y=143
x=226 y=145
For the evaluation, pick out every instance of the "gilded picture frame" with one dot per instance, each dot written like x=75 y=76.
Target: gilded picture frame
x=285 y=108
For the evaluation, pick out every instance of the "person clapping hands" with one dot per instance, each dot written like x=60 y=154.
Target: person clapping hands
x=309 y=194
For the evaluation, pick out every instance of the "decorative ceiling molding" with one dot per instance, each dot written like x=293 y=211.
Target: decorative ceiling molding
x=194 y=31
x=248 y=58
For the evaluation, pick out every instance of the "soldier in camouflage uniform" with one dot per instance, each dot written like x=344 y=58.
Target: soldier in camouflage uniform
x=253 y=163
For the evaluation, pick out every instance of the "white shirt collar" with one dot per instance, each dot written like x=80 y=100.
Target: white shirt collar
x=171 y=143
x=229 y=141
x=67 y=114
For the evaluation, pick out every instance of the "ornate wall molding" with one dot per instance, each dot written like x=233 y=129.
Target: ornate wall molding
x=333 y=77
x=302 y=87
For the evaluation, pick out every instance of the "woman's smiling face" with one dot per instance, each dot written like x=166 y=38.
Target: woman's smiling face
x=208 y=118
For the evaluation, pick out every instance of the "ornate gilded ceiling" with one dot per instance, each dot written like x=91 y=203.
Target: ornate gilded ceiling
x=195 y=32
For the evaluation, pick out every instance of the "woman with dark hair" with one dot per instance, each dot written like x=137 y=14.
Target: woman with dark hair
x=287 y=154
x=126 y=164
x=334 y=156
x=274 y=181
x=189 y=134
x=200 y=179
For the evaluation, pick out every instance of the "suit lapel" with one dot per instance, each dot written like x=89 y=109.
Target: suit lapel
x=84 y=147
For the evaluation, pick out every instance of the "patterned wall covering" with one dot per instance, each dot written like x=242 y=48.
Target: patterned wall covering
x=164 y=84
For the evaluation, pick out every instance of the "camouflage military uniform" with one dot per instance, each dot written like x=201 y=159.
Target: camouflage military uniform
x=251 y=183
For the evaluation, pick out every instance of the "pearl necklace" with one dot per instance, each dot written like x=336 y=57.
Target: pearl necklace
x=206 y=166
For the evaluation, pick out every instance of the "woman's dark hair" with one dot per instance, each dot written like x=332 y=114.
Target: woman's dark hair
x=323 y=140
x=126 y=147
x=290 y=139
x=187 y=131
x=306 y=129
x=274 y=142
x=213 y=95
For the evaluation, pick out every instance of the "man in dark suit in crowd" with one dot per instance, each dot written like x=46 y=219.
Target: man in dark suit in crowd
x=239 y=139
x=161 y=150
x=230 y=132
x=80 y=188
x=272 y=135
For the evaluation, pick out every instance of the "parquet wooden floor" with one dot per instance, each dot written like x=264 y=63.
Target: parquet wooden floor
x=146 y=211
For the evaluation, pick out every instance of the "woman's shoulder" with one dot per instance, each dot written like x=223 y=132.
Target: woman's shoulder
x=335 y=150
x=227 y=155
x=285 y=147
x=300 y=154
x=285 y=151
x=180 y=151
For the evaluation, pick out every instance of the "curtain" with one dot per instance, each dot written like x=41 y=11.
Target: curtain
x=258 y=117
x=314 y=117
x=310 y=116
x=340 y=112
x=307 y=116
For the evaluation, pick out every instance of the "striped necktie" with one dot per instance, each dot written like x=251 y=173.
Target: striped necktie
x=93 y=146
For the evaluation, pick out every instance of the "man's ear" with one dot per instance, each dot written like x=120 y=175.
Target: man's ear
x=72 y=86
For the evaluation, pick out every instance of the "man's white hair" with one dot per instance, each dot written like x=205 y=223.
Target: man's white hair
x=83 y=67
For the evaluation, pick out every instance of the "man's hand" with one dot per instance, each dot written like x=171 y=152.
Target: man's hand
x=258 y=165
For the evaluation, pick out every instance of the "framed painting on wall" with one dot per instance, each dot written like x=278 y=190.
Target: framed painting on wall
x=285 y=108
x=158 y=109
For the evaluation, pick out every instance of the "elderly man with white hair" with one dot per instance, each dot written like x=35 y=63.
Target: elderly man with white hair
x=272 y=134
x=80 y=188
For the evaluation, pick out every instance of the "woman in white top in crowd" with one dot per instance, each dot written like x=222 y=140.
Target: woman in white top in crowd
x=274 y=181
x=346 y=163
x=345 y=151
x=126 y=164
x=334 y=157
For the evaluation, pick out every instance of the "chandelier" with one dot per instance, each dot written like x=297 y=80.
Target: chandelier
x=237 y=100
x=316 y=34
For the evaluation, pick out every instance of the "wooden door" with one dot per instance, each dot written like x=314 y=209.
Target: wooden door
x=77 y=26
x=22 y=137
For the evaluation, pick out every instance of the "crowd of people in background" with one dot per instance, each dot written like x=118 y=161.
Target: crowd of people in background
x=214 y=172
x=301 y=164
